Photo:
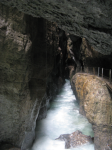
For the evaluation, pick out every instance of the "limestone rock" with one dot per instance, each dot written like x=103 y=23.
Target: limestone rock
x=27 y=54
x=91 y=58
x=84 y=18
x=96 y=104
x=75 y=139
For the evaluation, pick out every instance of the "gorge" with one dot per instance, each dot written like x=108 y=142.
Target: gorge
x=40 y=41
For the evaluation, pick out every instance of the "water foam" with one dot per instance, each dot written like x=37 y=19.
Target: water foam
x=62 y=118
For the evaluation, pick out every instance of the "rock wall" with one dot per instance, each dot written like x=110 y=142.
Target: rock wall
x=17 y=109
x=91 y=58
x=96 y=104
x=28 y=48
x=84 y=18
x=83 y=56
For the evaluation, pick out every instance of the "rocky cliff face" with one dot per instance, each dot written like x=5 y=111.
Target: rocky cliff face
x=91 y=58
x=82 y=54
x=84 y=18
x=32 y=59
x=96 y=104
x=28 y=48
x=16 y=105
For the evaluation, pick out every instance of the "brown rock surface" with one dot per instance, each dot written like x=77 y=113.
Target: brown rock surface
x=74 y=139
x=96 y=104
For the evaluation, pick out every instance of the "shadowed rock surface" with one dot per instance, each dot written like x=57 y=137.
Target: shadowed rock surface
x=91 y=58
x=31 y=61
x=6 y=146
x=84 y=18
x=96 y=104
x=82 y=56
x=75 y=139
x=28 y=54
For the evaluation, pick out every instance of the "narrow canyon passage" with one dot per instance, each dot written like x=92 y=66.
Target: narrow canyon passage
x=41 y=44
x=62 y=118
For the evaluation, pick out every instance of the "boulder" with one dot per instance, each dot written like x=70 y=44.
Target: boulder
x=96 y=104
x=75 y=139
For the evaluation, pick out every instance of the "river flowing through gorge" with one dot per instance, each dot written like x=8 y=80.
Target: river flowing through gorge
x=62 y=118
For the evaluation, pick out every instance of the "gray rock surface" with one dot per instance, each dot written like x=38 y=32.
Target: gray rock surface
x=26 y=61
x=84 y=18
x=26 y=56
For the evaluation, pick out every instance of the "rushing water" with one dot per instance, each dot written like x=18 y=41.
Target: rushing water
x=62 y=118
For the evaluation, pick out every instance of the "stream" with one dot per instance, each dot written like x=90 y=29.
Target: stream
x=62 y=118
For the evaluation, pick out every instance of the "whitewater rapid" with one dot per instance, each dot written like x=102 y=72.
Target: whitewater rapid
x=62 y=118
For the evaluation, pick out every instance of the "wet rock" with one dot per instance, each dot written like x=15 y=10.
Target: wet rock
x=96 y=104
x=75 y=139
x=27 y=54
x=66 y=138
